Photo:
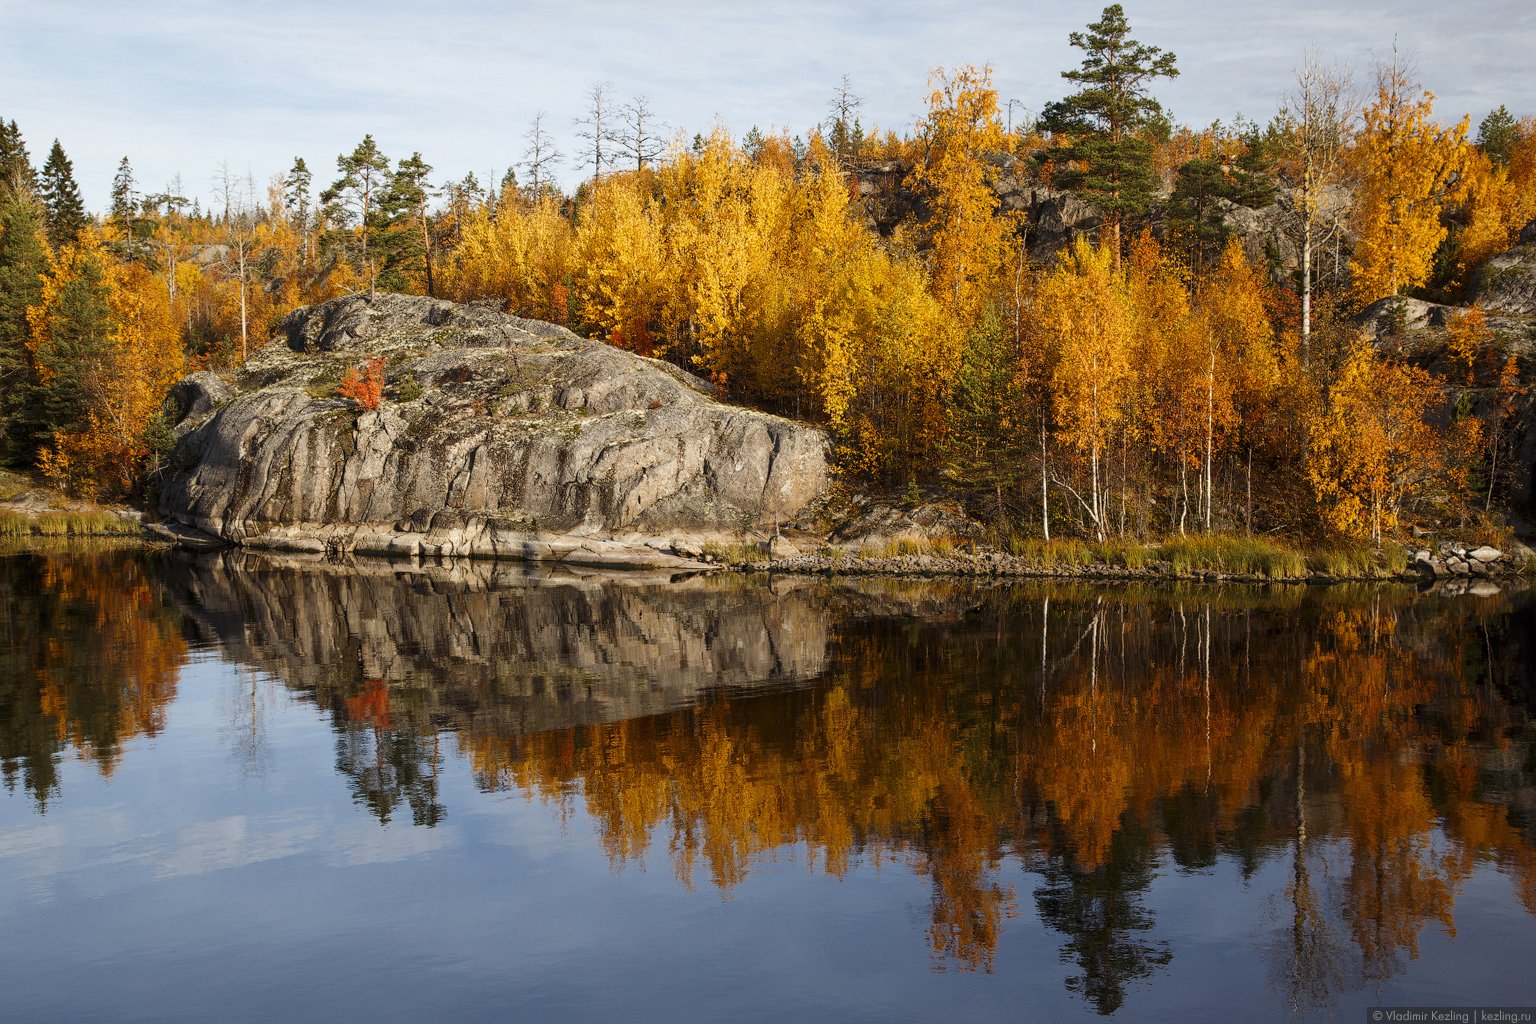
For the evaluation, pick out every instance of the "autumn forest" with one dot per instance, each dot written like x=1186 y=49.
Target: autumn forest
x=1150 y=371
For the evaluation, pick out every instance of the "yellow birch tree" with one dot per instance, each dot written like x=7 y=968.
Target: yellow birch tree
x=1406 y=164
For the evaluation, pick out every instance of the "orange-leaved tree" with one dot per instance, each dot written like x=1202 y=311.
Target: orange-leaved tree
x=364 y=385
x=107 y=348
x=963 y=135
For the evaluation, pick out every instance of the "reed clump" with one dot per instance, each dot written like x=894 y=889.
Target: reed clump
x=65 y=524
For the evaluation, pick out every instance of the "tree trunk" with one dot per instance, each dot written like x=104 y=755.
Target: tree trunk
x=1306 y=274
x=1248 y=516
x=1124 y=473
x=244 y=277
x=1493 y=469
x=1045 y=499
x=426 y=250
x=1184 y=483
x=1098 y=498
x=1210 y=434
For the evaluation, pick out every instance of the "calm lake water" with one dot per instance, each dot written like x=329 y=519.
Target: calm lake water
x=250 y=789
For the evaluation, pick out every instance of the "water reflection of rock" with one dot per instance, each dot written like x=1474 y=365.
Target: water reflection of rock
x=1374 y=747
x=536 y=650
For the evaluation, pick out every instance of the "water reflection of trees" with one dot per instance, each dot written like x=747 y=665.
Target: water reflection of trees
x=1359 y=739
x=1049 y=746
x=90 y=651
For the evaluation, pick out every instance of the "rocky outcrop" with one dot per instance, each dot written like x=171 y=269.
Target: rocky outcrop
x=1050 y=218
x=517 y=649
x=496 y=436
x=193 y=399
x=1505 y=289
x=1507 y=283
x=1398 y=315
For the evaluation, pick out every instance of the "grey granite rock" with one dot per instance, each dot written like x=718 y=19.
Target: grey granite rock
x=497 y=436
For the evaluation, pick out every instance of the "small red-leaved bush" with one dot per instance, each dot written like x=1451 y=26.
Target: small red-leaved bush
x=365 y=388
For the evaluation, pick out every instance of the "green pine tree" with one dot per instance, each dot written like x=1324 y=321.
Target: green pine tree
x=71 y=367
x=297 y=201
x=296 y=192
x=23 y=261
x=1497 y=134
x=405 y=236
x=1111 y=121
x=61 y=198
x=355 y=198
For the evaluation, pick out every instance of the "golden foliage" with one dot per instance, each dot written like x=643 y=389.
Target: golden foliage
x=1406 y=165
x=127 y=378
x=1084 y=313
x=966 y=235
x=1373 y=452
x=520 y=255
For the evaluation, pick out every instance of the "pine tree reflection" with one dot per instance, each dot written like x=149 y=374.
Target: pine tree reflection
x=1101 y=913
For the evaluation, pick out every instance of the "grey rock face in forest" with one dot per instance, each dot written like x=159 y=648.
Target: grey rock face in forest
x=496 y=436
x=1507 y=283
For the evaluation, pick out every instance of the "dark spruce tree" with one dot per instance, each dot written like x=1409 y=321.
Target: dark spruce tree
x=989 y=437
x=15 y=165
x=1498 y=134
x=124 y=200
x=1111 y=121
x=1208 y=186
x=72 y=364
x=23 y=261
x=61 y=198
x=66 y=211
x=1104 y=917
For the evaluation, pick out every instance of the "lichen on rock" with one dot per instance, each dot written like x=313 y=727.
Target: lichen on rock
x=497 y=436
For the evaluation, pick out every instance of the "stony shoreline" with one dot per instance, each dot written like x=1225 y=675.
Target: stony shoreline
x=1449 y=567
x=1454 y=566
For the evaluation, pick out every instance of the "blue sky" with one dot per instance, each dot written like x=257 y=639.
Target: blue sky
x=182 y=87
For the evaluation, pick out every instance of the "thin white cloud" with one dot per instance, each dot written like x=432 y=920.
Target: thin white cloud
x=179 y=87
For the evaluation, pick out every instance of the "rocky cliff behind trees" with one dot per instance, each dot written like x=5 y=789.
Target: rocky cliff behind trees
x=496 y=436
x=1504 y=288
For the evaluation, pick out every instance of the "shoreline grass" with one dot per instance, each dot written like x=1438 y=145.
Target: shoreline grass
x=66 y=524
x=1263 y=558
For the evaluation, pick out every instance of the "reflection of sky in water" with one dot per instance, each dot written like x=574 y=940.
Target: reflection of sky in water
x=224 y=870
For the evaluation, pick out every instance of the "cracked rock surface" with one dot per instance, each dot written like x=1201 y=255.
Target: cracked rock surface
x=496 y=436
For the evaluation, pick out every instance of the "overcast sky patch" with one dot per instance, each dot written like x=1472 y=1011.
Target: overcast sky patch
x=181 y=87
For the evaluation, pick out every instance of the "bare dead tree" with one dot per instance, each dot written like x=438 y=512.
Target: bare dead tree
x=596 y=130
x=539 y=158
x=1316 y=116
x=639 y=137
x=844 y=133
x=240 y=216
